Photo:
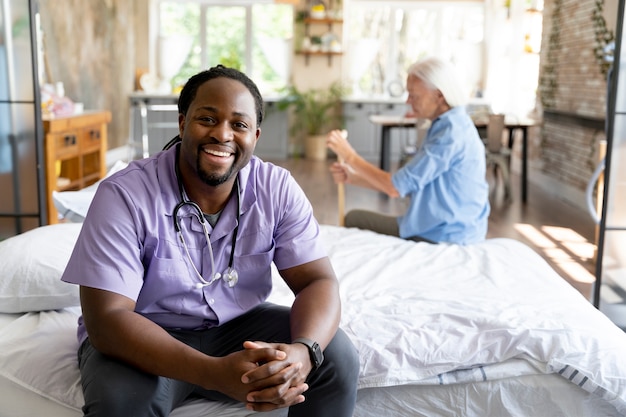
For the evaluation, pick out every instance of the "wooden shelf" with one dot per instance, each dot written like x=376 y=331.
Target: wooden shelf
x=319 y=52
x=329 y=54
x=75 y=152
x=325 y=21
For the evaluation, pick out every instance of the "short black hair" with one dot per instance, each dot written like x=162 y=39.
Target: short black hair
x=188 y=93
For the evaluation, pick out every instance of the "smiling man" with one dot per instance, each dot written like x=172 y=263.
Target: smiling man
x=174 y=267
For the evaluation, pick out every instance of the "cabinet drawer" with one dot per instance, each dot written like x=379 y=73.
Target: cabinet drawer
x=91 y=139
x=65 y=144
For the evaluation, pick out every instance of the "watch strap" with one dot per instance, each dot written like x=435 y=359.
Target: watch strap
x=315 y=352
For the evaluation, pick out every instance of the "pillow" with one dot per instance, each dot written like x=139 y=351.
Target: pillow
x=31 y=265
x=73 y=205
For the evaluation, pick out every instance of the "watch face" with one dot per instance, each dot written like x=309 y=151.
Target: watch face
x=317 y=354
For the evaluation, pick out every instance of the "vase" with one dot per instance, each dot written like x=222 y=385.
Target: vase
x=315 y=147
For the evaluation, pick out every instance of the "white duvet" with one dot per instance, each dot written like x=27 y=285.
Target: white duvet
x=417 y=313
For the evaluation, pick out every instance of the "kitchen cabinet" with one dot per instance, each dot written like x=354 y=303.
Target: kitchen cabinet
x=273 y=143
x=75 y=153
x=365 y=137
x=154 y=121
x=160 y=124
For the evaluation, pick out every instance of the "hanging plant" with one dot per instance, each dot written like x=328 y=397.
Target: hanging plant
x=603 y=37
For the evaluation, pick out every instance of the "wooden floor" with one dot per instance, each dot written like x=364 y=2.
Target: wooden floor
x=560 y=232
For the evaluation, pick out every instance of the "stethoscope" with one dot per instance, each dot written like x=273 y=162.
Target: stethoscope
x=230 y=275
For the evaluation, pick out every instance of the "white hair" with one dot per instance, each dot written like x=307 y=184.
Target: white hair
x=441 y=75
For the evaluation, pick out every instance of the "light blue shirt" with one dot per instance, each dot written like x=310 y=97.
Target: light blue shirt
x=445 y=180
x=128 y=244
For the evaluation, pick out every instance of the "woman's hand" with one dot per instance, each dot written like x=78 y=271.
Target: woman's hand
x=337 y=141
x=340 y=173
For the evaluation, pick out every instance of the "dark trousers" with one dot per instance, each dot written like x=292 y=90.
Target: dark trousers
x=379 y=223
x=114 y=389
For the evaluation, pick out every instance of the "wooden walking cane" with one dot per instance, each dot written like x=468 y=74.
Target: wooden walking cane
x=341 y=192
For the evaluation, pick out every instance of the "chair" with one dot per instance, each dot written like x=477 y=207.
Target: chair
x=497 y=155
x=145 y=124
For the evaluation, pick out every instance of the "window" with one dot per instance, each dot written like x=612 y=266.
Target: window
x=384 y=38
x=255 y=38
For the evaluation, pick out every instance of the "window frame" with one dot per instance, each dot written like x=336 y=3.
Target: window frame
x=391 y=65
x=248 y=6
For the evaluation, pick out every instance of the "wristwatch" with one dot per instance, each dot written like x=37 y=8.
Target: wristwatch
x=315 y=352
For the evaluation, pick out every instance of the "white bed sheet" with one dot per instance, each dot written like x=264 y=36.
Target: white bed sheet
x=441 y=329
x=550 y=393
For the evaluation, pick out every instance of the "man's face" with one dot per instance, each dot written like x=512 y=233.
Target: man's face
x=425 y=102
x=219 y=131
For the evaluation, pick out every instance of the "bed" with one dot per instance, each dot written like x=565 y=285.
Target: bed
x=442 y=330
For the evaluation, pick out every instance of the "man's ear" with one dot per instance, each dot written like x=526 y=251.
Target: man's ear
x=181 y=124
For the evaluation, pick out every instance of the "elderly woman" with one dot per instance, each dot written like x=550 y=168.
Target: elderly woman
x=445 y=180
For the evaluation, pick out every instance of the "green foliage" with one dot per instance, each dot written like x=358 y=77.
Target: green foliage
x=178 y=19
x=21 y=27
x=602 y=36
x=548 y=80
x=316 y=110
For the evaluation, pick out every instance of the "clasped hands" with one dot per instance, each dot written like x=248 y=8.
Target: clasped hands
x=266 y=376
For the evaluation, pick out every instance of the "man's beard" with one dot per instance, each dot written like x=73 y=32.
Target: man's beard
x=213 y=179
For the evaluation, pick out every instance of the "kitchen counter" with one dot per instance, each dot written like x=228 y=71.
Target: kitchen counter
x=142 y=95
x=154 y=121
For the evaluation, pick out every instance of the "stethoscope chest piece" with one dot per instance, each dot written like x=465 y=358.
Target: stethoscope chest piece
x=230 y=276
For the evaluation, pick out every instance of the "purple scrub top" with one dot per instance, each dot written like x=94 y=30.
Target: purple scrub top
x=128 y=243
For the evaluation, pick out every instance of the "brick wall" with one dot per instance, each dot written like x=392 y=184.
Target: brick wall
x=574 y=107
x=569 y=148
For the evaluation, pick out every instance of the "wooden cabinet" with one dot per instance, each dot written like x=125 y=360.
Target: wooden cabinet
x=75 y=153
x=365 y=137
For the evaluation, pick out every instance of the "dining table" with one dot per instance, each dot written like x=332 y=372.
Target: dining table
x=388 y=122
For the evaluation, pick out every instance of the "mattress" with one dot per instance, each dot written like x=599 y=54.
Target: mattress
x=485 y=329
x=506 y=394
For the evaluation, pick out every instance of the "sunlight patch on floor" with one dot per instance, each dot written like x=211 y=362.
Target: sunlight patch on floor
x=576 y=271
x=563 y=234
x=564 y=248
x=572 y=241
x=534 y=235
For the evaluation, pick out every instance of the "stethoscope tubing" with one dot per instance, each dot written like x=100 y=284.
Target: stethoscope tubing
x=230 y=275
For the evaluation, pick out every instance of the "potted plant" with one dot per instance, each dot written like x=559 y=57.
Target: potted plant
x=314 y=113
